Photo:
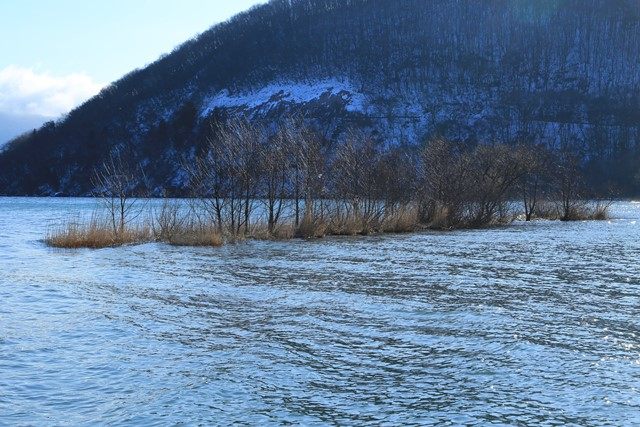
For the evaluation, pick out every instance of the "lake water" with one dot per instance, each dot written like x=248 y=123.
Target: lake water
x=529 y=324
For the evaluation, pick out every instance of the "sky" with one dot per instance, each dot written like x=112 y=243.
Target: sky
x=55 y=54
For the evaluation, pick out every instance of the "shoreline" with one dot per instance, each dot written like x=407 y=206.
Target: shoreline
x=78 y=235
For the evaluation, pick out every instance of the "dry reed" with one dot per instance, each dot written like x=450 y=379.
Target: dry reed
x=95 y=235
x=195 y=236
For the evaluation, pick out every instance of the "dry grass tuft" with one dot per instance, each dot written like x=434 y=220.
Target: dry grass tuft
x=547 y=210
x=401 y=221
x=280 y=232
x=195 y=237
x=311 y=228
x=346 y=225
x=440 y=218
x=597 y=211
x=95 y=235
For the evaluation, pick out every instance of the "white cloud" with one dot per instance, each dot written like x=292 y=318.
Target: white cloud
x=24 y=91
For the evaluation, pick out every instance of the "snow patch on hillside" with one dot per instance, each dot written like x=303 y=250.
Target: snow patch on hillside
x=275 y=94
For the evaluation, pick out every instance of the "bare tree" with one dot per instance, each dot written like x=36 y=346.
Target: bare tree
x=225 y=177
x=209 y=187
x=357 y=179
x=120 y=185
x=444 y=183
x=398 y=176
x=494 y=174
x=308 y=169
x=568 y=183
x=275 y=174
x=239 y=146
x=533 y=185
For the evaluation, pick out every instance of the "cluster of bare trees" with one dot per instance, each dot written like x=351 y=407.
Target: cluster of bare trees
x=246 y=169
x=290 y=178
x=475 y=187
x=264 y=182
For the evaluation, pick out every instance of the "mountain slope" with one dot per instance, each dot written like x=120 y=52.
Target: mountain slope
x=557 y=71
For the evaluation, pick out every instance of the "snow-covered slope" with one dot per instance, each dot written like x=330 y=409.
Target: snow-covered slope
x=273 y=95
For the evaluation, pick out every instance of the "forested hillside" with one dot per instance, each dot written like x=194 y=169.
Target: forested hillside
x=554 y=72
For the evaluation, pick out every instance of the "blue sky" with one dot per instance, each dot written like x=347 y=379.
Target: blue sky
x=56 y=53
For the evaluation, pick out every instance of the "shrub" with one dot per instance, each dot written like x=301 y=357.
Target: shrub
x=600 y=212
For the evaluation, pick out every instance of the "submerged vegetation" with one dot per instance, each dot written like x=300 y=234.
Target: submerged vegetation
x=253 y=182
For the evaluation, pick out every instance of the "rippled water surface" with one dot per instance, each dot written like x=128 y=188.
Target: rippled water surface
x=531 y=324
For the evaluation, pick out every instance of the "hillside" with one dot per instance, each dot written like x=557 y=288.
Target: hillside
x=553 y=71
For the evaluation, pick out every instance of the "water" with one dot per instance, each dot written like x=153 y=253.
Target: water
x=530 y=324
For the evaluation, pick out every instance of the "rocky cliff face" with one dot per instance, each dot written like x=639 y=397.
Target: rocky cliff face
x=552 y=71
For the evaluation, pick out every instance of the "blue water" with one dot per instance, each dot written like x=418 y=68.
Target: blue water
x=533 y=324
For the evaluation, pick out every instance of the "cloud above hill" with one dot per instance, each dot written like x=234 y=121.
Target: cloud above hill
x=25 y=92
